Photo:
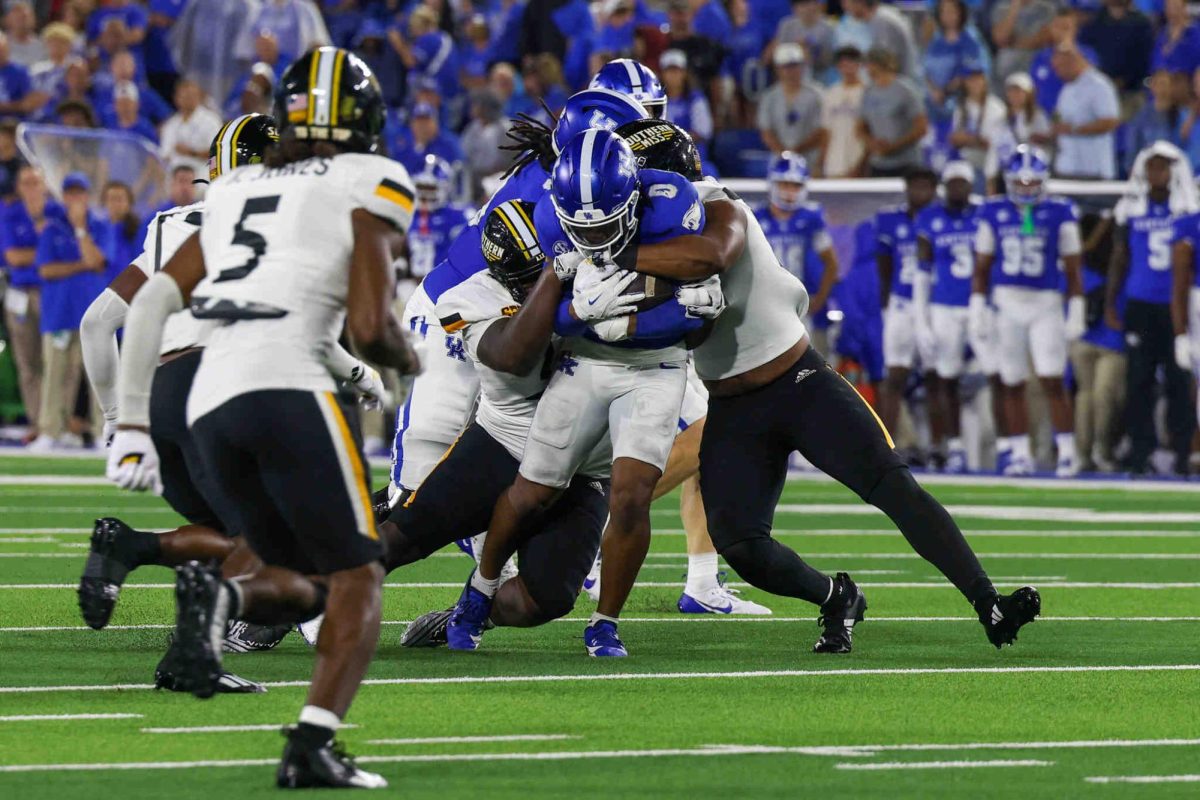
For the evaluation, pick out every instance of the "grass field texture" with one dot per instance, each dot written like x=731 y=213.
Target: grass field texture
x=1099 y=699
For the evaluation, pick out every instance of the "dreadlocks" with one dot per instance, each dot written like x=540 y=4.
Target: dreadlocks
x=533 y=140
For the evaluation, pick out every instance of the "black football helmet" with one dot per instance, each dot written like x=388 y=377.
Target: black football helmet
x=331 y=95
x=510 y=247
x=240 y=141
x=658 y=144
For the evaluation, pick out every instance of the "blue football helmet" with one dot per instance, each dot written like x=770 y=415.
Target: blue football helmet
x=595 y=189
x=633 y=79
x=433 y=182
x=788 y=181
x=1025 y=174
x=594 y=108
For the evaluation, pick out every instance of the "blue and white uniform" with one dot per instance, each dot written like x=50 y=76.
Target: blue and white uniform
x=628 y=392
x=798 y=242
x=951 y=237
x=431 y=235
x=1151 y=231
x=1187 y=228
x=897 y=236
x=1028 y=242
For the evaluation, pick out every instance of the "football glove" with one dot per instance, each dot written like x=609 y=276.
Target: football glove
x=373 y=395
x=133 y=462
x=1183 y=352
x=566 y=265
x=612 y=330
x=703 y=300
x=605 y=299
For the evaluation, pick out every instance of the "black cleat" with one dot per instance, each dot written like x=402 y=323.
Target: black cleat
x=246 y=637
x=203 y=603
x=839 y=616
x=427 y=630
x=1003 y=615
x=328 y=765
x=166 y=677
x=380 y=505
x=107 y=565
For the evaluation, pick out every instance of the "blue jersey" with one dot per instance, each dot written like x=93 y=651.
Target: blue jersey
x=951 y=235
x=1187 y=229
x=65 y=299
x=1150 y=228
x=431 y=234
x=896 y=235
x=796 y=238
x=857 y=295
x=1027 y=241
x=669 y=207
x=18 y=231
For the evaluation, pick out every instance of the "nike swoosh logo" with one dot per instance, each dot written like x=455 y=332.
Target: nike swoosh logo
x=592 y=302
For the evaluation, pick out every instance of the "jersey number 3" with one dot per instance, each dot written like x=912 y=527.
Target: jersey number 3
x=249 y=238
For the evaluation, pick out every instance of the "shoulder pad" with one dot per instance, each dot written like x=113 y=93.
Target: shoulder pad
x=476 y=299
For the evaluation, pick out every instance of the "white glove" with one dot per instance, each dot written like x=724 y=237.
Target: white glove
x=605 y=300
x=566 y=265
x=1183 y=352
x=110 y=429
x=1076 y=318
x=612 y=330
x=704 y=300
x=133 y=462
x=979 y=319
x=373 y=395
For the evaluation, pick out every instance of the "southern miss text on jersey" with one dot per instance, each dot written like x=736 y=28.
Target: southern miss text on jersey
x=167 y=232
x=1028 y=241
x=951 y=235
x=1150 y=229
x=277 y=247
x=795 y=238
x=897 y=236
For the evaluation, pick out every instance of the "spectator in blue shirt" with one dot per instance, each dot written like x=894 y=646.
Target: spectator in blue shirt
x=506 y=35
x=1063 y=30
x=1177 y=48
x=615 y=36
x=952 y=48
x=132 y=16
x=343 y=18
x=473 y=54
x=123 y=232
x=127 y=114
x=113 y=39
x=16 y=89
x=426 y=51
x=122 y=69
x=49 y=77
x=295 y=24
x=253 y=93
x=687 y=106
x=161 y=71
x=1124 y=38
x=746 y=43
x=711 y=20
x=425 y=136
x=1158 y=119
x=71 y=266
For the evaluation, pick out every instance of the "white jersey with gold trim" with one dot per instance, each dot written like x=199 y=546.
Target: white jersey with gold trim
x=277 y=246
x=167 y=232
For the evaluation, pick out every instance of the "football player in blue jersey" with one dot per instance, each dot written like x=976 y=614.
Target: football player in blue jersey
x=438 y=222
x=1141 y=265
x=795 y=227
x=1185 y=293
x=442 y=396
x=941 y=288
x=1020 y=241
x=896 y=255
x=607 y=393
x=633 y=79
x=857 y=295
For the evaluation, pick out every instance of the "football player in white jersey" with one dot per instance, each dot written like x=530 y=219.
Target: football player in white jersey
x=117 y=549
x=289 y=252
x=771 y=394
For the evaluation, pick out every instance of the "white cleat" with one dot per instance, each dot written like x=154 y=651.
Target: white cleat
x=591 y=584
x=311 y=630
x=1018 y=467
x=507 y=572
x=1067 y=468
x=720 y=600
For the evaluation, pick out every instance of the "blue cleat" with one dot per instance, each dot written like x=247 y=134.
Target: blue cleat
x=466 y=545
x=469 y=618
x=601 y=640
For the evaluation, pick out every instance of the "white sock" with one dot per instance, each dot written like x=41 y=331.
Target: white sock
x=1004 y=444
x=956 y=444
x=1065 y=442
x=598 y=617
x=487 y=586
x=701 y=574
x=1020 y=448
x=322 y=718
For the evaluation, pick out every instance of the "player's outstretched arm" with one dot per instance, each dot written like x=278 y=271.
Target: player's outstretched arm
x=518 y=343
x=98 y=339
x=694 y=257
x=373 y=326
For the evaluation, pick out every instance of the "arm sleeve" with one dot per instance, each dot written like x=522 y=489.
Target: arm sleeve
x=342 y=365
x=666 y=320
x=985 y=238
x=1069 y=241
x=564 y=324
x=97 y=334
x=156 y=301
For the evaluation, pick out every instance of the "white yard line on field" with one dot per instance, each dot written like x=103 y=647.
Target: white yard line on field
x=516 y=737
x=56 y=717
x=659 y=676
x=1031 y=513
x=1144 y=779
x=865 y=750
x=227 y=728
x=886 y=765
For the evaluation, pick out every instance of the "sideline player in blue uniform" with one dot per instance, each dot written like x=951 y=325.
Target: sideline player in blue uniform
x=857 y=295
x=795 y=227
x=1185 y=293
x=438 y=222
x=945 y=238
x=1021 y=238
x=896 y=255
x=633 y=79
x=1141 y=265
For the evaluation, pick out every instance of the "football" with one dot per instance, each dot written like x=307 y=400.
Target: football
x=657 y=290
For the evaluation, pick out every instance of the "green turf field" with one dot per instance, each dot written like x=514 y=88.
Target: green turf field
x=1100 y=699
